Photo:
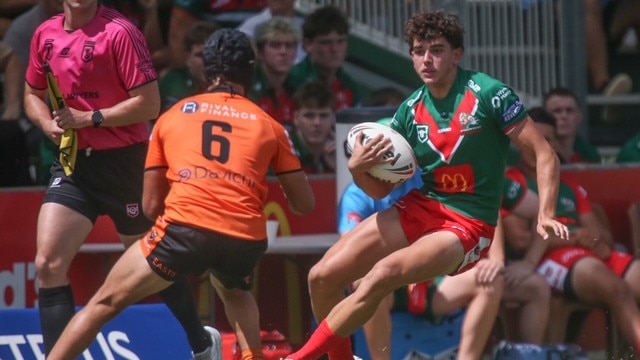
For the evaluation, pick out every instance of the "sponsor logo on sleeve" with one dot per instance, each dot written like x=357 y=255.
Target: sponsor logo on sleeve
x=513 y=111
x=502 y=94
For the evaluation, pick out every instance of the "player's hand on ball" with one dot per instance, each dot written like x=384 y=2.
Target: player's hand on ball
x=366 y=156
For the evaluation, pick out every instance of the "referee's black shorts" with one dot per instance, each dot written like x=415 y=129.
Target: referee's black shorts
x=104 y=183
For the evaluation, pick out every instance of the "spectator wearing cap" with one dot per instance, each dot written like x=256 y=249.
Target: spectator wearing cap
x=324 y=36
x=276 y=44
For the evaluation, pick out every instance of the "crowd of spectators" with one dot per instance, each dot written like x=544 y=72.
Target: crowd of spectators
x=291 y=50
x=301 y=81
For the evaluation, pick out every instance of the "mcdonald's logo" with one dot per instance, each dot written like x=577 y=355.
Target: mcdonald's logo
x=455 y=179
x=454 y=183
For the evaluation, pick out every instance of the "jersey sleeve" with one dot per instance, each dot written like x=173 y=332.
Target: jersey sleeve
x=286 y=159
x=515 y=188
x=155 y=154
x=132 y=52
x=35 y=75
x=582 y=198
x=355 y=206
x=505 y=106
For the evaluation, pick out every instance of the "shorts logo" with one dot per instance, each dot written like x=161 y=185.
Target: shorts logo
x=56 y=182
x=133 y=210
x=87 y=51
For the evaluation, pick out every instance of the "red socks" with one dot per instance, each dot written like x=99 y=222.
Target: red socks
x=342 y=350
x=322 y=341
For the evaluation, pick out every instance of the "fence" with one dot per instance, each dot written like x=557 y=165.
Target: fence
x=525 y=43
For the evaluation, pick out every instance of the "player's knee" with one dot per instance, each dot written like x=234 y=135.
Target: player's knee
x=495 y=289
x=50 y=269
x=617 y=292
x=538 y=288
x=320 y=278
x=385 y=277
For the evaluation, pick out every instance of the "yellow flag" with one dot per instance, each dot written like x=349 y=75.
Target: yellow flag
x=69 y=141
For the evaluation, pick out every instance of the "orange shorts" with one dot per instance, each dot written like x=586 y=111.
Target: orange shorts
x=420 y=216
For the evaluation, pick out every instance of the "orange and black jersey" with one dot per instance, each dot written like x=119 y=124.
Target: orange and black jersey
x=218 y=149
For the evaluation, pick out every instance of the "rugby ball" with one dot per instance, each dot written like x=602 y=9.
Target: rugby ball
x=403 y=165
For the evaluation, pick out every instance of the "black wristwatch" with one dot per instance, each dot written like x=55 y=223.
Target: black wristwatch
x=97 y=118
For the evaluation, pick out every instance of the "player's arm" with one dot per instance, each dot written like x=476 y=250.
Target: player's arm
x=496 y=250
x=156 y=189
x=298 y=192
x=593 y=235
x=38 y=112
x=530 y=141
x=14 y=87
x=178 y=26
x=523 y=239
x=142 y=105
x=363 y=158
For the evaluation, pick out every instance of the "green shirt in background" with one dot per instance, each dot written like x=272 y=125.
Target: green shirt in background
x=176 y=85
x=585 y=152
x=630 y=151
x=347 y=91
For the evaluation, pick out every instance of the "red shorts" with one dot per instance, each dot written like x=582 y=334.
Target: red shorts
x=420 y=216
x=556 y=265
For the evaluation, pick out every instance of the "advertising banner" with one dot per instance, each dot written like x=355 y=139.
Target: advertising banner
x=140 y=332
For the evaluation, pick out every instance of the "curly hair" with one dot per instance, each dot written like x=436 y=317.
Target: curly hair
x=431 y=25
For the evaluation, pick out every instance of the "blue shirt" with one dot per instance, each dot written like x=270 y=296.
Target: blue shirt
x=355 y=205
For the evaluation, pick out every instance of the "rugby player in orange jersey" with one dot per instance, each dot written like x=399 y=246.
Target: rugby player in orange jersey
x=205 y=181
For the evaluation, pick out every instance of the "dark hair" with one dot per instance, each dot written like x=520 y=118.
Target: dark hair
x=228 y=55
x=385 y=96
x=323 y=21
x=559 y=91
x=314 y=94
x=198 y=33
x=539 y=115
x=431 y=25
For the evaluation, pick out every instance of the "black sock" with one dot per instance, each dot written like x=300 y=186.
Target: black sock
x=179 y=299
x=57 y=307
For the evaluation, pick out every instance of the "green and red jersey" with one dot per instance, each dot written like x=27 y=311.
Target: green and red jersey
x=572 y=198
x=461 y=141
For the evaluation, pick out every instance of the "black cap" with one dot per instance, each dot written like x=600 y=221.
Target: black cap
x=228 y=55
